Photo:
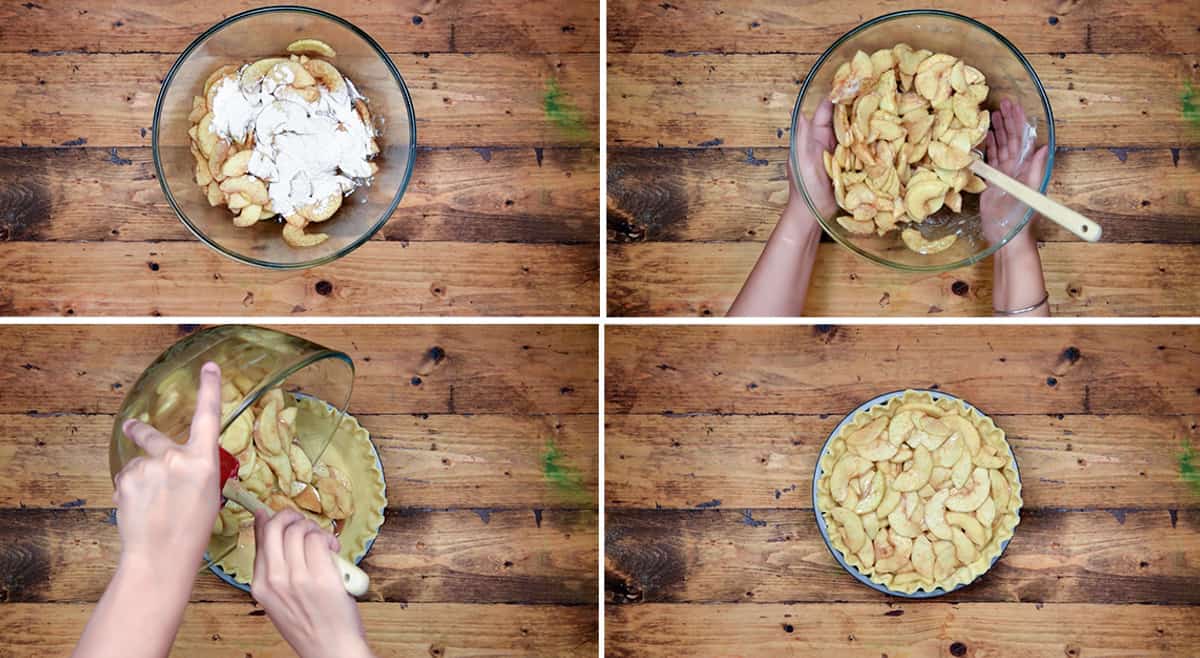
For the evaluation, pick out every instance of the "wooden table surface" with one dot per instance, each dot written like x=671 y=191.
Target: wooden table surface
x=489 y=546
x=501 y=216
x=711 y=541
x=700 y=96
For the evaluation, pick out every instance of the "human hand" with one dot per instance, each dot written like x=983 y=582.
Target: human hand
x=301 y=590
x=812 y=139
x=1003 y=147
x=168 y=499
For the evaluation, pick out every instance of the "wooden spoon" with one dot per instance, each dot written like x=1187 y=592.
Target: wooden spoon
x=355 y=580
x=1056 y=212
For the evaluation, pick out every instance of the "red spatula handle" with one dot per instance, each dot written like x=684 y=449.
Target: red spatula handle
x=229 y=466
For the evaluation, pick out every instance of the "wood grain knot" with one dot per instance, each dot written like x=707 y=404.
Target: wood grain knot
x=642 y=561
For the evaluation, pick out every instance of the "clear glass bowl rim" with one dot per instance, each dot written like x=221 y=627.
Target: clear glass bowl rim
x=412 y=138
x=1049 y=139
x=275 y=378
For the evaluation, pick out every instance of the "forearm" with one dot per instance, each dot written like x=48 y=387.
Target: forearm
x=778 y=284
x=139 y=613
x=1019 y=282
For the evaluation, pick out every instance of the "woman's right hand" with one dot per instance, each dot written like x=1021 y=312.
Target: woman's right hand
x=297 y=584
x=814 y=137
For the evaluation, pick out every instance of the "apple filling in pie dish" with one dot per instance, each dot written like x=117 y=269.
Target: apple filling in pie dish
x=919 y=493
x=343 y=492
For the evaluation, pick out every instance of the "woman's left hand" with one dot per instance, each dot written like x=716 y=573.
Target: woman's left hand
x=168 y=499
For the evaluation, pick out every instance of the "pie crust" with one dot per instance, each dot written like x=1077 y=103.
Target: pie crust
x=880 y=493
x=351 y=454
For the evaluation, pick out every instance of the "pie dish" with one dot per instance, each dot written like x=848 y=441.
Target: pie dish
x=343 y=492
x=917 y=493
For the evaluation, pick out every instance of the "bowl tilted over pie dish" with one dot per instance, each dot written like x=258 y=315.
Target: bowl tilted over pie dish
x=344 y=492
x=919 y=493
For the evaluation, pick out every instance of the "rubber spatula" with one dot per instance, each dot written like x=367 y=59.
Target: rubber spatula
x=355 y=580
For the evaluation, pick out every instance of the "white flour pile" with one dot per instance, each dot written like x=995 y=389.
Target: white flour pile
x=305 y=151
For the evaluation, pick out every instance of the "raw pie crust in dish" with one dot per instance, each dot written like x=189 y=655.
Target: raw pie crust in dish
x=343 y=492
x=919 y=494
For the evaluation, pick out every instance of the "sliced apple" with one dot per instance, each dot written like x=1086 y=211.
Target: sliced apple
x=966 y=429
x=851 y=528
x=906 y=519
x=961 y=472
x=939 y=477
x=311 y=47
x=308 y=499
x=872 y=494
x=934 y=425
x=866 y=555
x=935 y=515
x=964 y=548
x=915 y=437
x=237 y=436
x=301 y=464
x=945 y=560
x=266 y=433
x=903 y=454
x=891 y=500
x=970 y=525
x=247 y=461
x=867 y=433
x=969 y=496
x=986 y=513
x=281 y=466
x=849 y=466
x=1001 y=490
x=922 y=557
x=871 y=525
x=326 y=74
x=237 y=164
x=990 y=461
x=918 y=474
x=948 y=453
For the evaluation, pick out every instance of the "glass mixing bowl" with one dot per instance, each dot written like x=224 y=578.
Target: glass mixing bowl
x=266 y=32
x=1009 y=75
x=165 y=393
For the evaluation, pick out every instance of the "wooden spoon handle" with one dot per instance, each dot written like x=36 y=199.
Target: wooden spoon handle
x=354 y=579
x=1074 y=222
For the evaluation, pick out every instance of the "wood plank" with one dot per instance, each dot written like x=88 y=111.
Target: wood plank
x=237 y=629
x=489 y=556
x=746 y=100
x=1083 y=280
x=832 y=369
x=459 y=100
x=462 y=195
x=869 y=630
x=484 y=369
x=1034 y=26
x=451 y=26
x=737 y=195
x=1070 y=461
x=434 y=461
x=773 y=556
x=380 y=278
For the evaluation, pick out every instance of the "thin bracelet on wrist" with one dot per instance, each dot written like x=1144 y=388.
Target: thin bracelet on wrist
x=1027 y=309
